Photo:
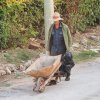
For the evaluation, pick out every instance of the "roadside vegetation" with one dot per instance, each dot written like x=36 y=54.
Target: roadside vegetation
x=21 y=20
x=85 y=55
x=18 y=56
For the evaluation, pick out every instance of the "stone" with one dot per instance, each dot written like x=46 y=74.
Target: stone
x=21 y=68
x=95 y=38
x=34 y=46
x=2 y=72
x=95 y=50
x=35 y=43
x=84 y=42
x=1 y=67
x=75 y=45
x=11 y=67
x=8 y=70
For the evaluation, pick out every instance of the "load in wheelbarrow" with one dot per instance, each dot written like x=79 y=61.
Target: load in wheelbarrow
x=43 y=70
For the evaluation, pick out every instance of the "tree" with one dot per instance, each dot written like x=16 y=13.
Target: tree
x=48 y=13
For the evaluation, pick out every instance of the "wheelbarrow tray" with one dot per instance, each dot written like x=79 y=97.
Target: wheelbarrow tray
x=45 y=72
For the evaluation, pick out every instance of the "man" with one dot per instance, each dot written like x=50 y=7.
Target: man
x=59 y=39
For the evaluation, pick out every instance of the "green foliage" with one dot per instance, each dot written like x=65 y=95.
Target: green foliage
x=23 y=55
x=85 y=55
x=60 y=6
x=19 y=22
x=88 y=13
x=17 y=56
x=4 y=31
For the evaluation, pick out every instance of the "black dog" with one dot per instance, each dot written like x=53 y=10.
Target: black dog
x=65 y=69
x=67 y=65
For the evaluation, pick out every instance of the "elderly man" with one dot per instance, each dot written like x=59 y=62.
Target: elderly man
x=59 y=38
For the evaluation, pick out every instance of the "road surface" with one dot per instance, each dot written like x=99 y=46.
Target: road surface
x=84 y=85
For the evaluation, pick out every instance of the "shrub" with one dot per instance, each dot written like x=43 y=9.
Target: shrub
x=19 y=22
x=87 y=14
x=85 y=55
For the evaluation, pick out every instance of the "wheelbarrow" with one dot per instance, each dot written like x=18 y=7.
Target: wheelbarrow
x=43 y=72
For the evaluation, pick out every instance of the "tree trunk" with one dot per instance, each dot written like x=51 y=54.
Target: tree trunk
x=48 y=13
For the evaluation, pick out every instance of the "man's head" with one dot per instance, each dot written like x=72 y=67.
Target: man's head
x=56 y=17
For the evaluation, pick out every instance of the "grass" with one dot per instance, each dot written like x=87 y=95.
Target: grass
x=22 y=55
x=18 y=55
x=85 y=55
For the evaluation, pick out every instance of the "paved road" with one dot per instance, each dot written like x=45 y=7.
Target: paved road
x=84 y=85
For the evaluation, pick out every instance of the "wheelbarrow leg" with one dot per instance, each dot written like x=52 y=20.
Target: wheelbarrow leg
x=35 y=84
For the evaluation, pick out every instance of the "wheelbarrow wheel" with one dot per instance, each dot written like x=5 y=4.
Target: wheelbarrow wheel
x=41 y=90
x=41 y=83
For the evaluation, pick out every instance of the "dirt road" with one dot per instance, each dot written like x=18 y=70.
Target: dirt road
x=84 y=85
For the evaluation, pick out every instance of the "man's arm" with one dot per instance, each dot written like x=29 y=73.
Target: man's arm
x=69 y=38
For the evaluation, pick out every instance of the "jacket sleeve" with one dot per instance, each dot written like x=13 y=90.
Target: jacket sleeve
x=69 y=38
x=48 y=40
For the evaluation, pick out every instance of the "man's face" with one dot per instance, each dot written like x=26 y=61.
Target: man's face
x=56 y=22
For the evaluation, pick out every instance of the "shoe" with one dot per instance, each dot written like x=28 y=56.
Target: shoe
x=67 y=79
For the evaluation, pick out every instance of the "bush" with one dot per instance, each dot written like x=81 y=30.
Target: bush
x=87 y=14
x=19 y=22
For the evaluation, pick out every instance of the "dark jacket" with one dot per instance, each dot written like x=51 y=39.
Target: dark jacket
x=66 y=34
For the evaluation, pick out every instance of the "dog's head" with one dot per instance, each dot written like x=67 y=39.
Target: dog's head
x=67 y=58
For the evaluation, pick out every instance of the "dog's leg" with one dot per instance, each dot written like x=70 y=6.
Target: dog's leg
x=58 y=77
